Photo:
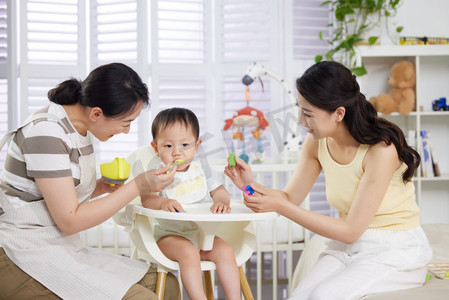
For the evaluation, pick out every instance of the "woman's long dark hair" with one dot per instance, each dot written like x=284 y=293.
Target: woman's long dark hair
x=329 y=85
x=115 y=88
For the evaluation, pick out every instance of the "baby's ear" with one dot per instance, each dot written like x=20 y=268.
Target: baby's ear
x=154 y=145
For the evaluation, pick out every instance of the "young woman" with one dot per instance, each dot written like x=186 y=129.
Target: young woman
x=47 y=181
x=376 y=244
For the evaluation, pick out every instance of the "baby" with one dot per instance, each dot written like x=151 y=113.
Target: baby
x=176 y=140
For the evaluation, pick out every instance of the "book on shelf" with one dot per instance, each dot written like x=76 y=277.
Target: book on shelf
x=429 y=167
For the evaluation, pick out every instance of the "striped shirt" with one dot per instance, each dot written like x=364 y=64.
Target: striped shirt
x=43 y=149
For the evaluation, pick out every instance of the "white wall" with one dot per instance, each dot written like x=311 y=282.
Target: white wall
x=424 y=18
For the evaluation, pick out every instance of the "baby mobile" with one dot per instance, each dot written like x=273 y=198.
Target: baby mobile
x=247 y=117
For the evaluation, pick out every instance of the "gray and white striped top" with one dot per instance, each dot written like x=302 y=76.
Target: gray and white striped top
x=43 y=149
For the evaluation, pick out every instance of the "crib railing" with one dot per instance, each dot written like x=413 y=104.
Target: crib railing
x=286 y=237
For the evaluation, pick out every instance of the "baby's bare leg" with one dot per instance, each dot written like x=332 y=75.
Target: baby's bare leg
x=223 y=256
x=180 y=249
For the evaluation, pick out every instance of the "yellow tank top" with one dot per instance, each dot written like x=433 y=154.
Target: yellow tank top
x=398 y=210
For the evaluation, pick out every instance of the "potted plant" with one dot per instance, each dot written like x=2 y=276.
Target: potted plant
x=353 y=20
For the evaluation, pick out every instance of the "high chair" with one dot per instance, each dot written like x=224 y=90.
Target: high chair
x=239 y=234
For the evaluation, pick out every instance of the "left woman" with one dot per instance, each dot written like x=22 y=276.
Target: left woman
x=47 y=181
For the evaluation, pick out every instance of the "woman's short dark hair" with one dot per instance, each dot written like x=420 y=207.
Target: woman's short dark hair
x=115 y=88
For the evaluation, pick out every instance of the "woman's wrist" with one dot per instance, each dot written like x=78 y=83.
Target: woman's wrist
x=283 y=203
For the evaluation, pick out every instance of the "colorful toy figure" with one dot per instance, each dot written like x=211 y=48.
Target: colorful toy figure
x=247 y=117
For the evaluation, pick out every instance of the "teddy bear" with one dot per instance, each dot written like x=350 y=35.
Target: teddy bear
x=401 y=97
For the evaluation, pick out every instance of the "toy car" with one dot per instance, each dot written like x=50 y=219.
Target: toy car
x=440 y=104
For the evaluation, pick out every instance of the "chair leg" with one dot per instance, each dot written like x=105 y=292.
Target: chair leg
x=244 y=285
x=160 y=285
x=208 y=286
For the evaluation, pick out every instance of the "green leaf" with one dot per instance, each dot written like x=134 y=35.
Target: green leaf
x=394 y=3
x=318 y=58
x=359 y=71
x=321 y=35
x=372 y=39
x=371 y=3
x=342 y=11
x=364 y=13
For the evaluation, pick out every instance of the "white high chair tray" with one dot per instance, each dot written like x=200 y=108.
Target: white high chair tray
x=201 y=212
x=201 y=215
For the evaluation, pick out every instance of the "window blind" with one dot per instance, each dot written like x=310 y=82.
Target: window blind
x=52 y=32
x=309 y=19
x=3 y=76
x=114 y=32
x=114 y=38
x=181 y=29
x=246 y=30
x=52 y=51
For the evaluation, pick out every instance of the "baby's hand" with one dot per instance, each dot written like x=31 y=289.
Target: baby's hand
x=172 y=205
x=220 y=208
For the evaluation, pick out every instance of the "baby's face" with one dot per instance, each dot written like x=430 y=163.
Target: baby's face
x=176 y=142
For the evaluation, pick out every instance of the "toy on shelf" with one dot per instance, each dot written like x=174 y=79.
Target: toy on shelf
x=440 y=104
x=292 y=130
x=424 y=40
x=244 y=118
x=115 y=172
x=401 y=97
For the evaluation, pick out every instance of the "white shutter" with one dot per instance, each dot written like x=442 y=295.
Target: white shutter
x=3 y=117
x=304 y=19
x=114 y=32
x=52 y=33
x=3 y=80
x=3 y=36
x=181 y=31
x=52 y=48
x=184 y=92
x=309 y=19
x=246 y=30
x=118 y=35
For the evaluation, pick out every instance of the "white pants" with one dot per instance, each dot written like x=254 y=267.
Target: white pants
x=379 y=261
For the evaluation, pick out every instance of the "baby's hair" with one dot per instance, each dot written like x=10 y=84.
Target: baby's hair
x=171 y=116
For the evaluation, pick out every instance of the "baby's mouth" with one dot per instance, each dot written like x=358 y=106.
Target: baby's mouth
x=178 y=161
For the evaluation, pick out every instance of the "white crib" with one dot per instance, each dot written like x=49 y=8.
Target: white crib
x=277 y=247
